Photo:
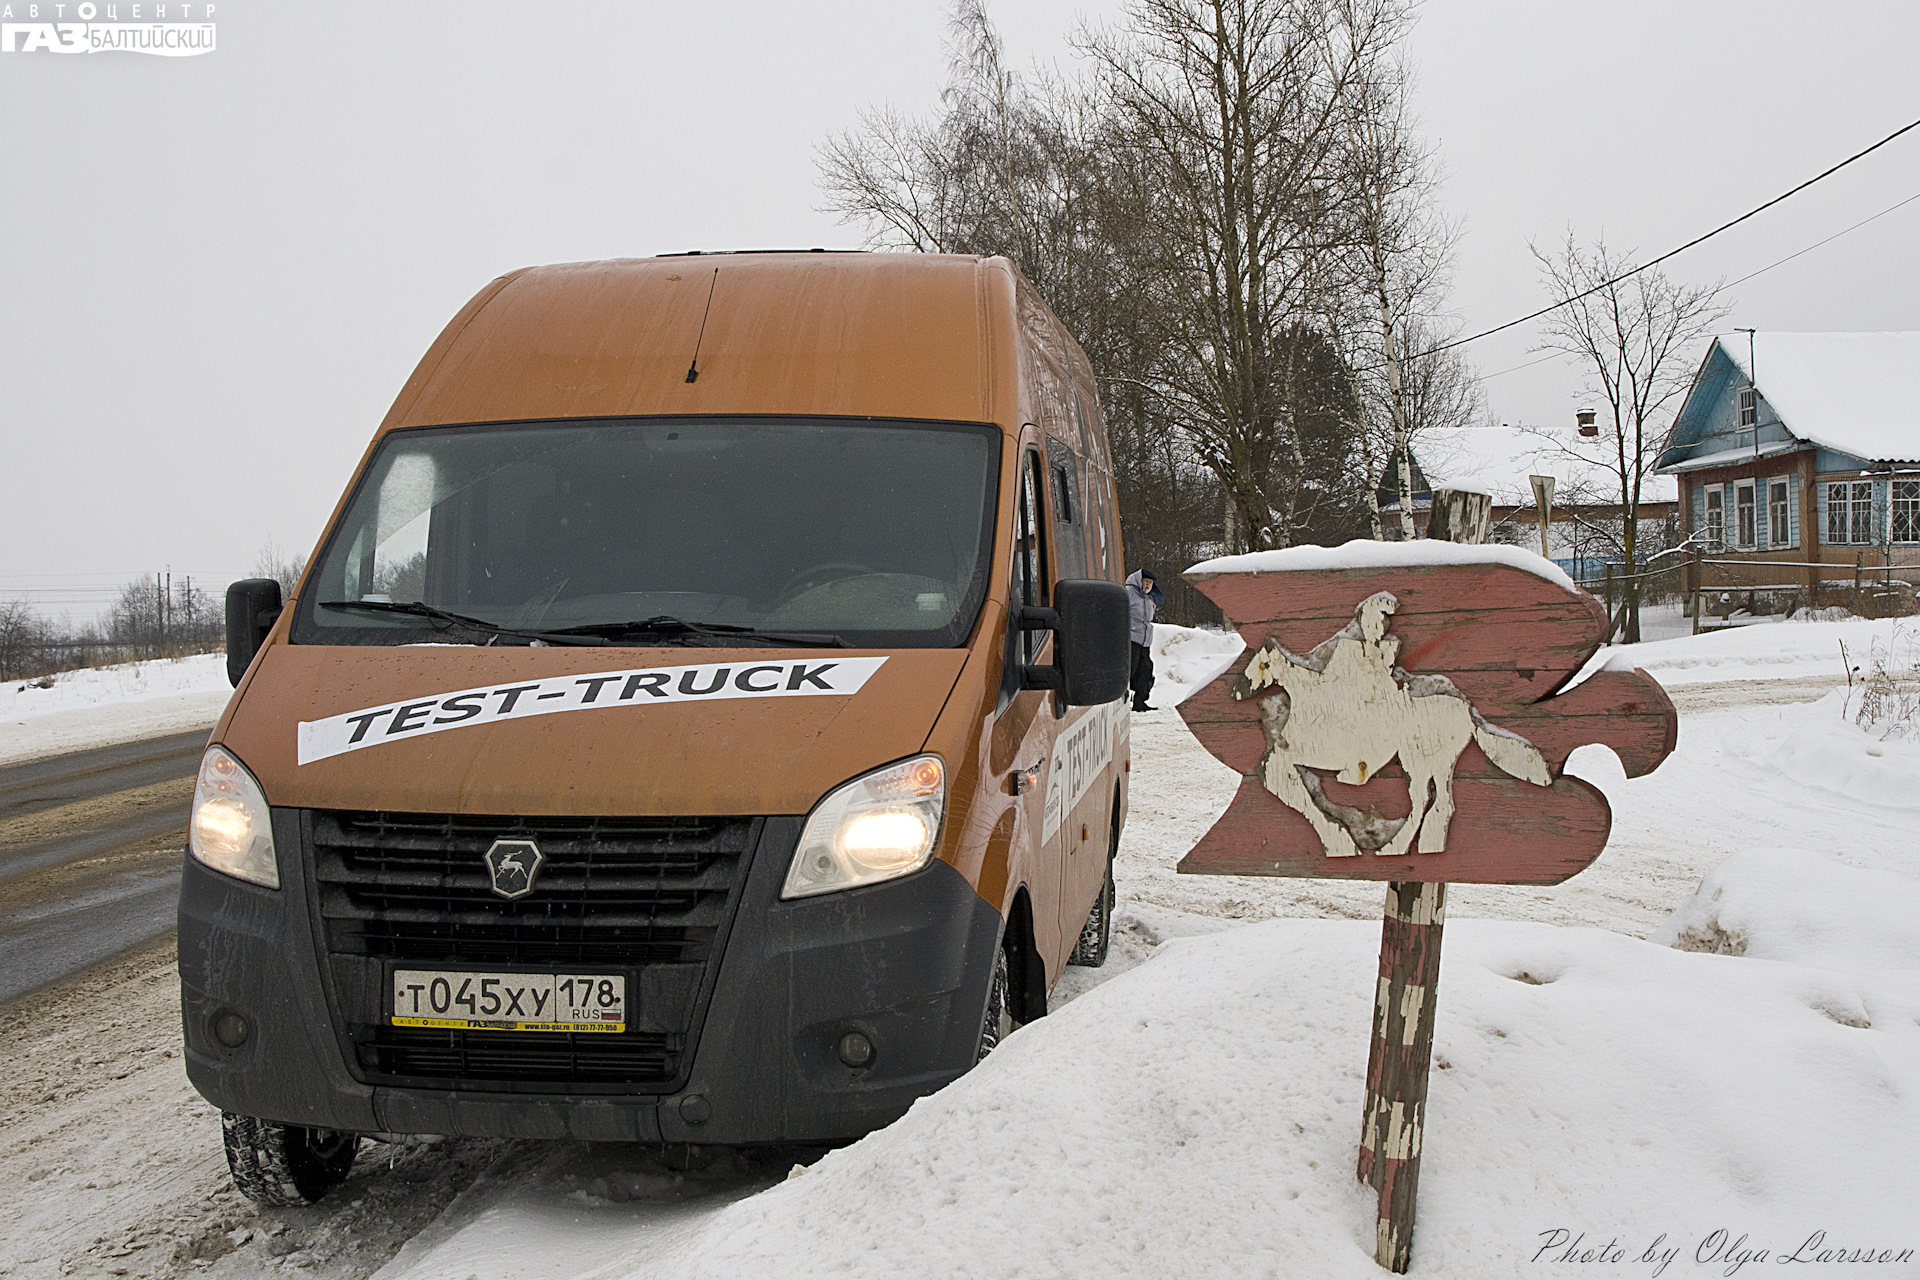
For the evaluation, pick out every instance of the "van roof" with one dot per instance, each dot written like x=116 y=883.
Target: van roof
x=860 y=334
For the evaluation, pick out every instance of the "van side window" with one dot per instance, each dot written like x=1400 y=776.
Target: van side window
x=1030 y=577
x=1069 y=513
x=1097 y=493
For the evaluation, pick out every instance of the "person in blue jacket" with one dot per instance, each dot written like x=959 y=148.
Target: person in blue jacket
x=1142 y=598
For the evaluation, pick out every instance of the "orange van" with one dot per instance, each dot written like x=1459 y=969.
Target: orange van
x=701 y=722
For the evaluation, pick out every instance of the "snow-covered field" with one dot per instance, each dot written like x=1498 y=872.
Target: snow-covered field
x=1765 y=651
x=100 y=705
x=1691 y=1059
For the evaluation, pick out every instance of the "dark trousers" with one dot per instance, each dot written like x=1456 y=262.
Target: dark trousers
x=1142 y=681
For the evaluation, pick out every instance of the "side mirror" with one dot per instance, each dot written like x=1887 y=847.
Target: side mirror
x=252 y=605
x=1091 y=630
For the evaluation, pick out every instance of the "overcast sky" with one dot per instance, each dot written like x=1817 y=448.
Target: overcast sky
x=220 y=269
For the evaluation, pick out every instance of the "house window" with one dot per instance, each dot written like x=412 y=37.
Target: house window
x=1744 y=514
x=1778 y=535
x=1716 y=518
x=1850 y=511
x=1906 y=510
x=1749 y=407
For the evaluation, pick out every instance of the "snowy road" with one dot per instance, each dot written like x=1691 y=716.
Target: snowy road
x=110 y=1164
x=90 y=855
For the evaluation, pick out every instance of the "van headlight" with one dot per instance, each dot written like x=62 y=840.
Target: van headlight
x=874 y=828
x=230 y=829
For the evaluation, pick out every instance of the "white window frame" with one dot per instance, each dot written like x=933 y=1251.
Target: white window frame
x=1850 y=513
x=1749 y=407
x=1904 y=509
x=1779 y=514
x=1715 y=527
x=1746 y=511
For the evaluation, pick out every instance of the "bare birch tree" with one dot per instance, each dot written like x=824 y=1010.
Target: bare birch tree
x=1228 y=115
x=1397 y=266
x=1638 y=340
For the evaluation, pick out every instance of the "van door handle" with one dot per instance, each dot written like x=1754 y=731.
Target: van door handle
x=1024 y=780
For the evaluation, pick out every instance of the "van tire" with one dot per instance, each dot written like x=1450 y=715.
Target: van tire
x=997 y=1023
x=1090 y=952
x=281 y=1165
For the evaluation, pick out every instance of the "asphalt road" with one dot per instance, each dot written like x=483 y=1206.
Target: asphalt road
x=90 y=850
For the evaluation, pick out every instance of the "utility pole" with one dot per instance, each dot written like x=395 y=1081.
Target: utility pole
x=1753 y=393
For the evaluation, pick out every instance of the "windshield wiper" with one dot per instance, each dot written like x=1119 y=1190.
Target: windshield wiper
x=666 y=623
x=421 y=609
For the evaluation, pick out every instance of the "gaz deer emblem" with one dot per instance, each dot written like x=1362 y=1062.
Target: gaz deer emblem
x=512 y=866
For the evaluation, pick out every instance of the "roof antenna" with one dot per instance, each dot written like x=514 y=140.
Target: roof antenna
x=693 y=368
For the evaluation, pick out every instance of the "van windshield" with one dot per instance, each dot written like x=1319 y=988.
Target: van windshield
x=865 y=533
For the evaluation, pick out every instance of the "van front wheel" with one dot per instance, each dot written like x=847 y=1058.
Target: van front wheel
x=998 y=1023
x=279 y=1165
x=1097 y=933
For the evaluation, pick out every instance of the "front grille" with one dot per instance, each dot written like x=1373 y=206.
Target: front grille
x=649 y=898
x=612 y=891
x=519 y=1057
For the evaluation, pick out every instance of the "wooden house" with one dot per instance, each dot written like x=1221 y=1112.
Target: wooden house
x=1798 y=462
x=1585 y=524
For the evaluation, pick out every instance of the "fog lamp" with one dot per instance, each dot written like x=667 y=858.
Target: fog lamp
x=855 y=1049
x=230 y=1029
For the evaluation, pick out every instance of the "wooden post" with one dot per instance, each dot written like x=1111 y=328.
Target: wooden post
x=1394 y=1120
x=1393 y=1117
x=1699 y=586
x=1459 y=516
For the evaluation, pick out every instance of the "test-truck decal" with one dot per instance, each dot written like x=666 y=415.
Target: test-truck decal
x=1079 y=754
x=594 y=691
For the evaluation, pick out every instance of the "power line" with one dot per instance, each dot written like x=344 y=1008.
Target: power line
x=1558 y=355
x=1835 y=236
x=1697 y=240
x=1742 y=280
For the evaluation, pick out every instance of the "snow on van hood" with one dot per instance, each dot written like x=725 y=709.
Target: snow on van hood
x=579 y=731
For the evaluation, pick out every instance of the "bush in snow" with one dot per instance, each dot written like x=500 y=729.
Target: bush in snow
x=1889 y=689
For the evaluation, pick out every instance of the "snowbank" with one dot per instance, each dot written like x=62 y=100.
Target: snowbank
x=1365 y=553
x=1188 y=658
x=1787 y=904
x=1198 y=1117
x=1765 y=651
x=1819 y=745
x=100 y=705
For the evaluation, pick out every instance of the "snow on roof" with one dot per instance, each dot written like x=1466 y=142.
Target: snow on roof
x=1497 y=461
x=1849 y=392
x=1364 y=553
x=1732 y=457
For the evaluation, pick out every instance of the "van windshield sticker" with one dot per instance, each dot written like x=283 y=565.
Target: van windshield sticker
x=593 y=691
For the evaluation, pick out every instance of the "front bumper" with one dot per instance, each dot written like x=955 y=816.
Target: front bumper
x=906 y=963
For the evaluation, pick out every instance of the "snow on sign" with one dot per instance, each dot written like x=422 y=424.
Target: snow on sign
x=1401 y=723
x=1401 y=718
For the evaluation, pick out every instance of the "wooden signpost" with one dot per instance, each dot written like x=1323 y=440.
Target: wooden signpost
x=1403 y=722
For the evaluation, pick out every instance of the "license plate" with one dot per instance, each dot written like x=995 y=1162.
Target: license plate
x=510 y=1001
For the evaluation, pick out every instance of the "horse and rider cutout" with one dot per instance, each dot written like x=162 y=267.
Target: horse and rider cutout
x=1349 y=707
